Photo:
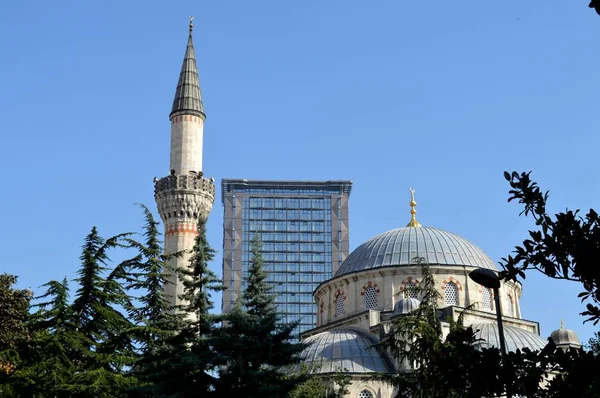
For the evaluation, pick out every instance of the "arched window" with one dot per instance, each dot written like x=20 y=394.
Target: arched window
x=486 y=299
x=410 y=290
x=451 y=293
x=370 y=297
x=365 y=394
x=509 y=306
x=339 y=305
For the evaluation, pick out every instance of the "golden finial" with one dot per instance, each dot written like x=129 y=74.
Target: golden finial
x=191 y=23
x=413 y=212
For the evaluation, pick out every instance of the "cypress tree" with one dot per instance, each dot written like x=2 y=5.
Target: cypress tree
x=257 y=350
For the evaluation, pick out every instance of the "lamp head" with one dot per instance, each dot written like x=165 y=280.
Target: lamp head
x=485 y=277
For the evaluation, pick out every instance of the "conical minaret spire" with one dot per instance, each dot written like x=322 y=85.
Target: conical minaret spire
x=188 y=96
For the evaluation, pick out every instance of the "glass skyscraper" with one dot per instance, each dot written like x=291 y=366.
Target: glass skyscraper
x=303 y=226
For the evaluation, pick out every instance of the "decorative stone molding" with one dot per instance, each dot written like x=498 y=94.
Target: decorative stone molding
x=338 y=293
x=184 y=198
x=369 y=284
x=453 y=280
x=182 y=229
x=406 y=282
x=186 y=118
x=480 y=290
x=193 y=182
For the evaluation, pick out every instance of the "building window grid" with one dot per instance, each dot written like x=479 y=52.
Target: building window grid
x=509 y=306
x=486 y=299
x=370 y=297
x=312 y=217
x=339 y=305
x=365 y=394
x=451 y=293
x=410 y=290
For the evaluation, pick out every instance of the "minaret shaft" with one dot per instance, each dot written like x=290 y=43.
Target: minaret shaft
x=187 y=133
x=185 y=194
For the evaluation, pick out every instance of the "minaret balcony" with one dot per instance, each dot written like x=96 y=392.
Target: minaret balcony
x=192 y=182
x=184 y=198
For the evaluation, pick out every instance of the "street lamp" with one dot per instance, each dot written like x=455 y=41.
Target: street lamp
x=488 y=278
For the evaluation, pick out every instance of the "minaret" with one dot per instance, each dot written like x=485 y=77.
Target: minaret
x=184 y=195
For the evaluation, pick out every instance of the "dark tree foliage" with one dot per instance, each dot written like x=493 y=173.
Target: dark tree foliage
x=78 y=349
x=595 y=4
x=47 y=359
x=564 y=246
x=255 y=348
x=594 y=344
x=455 y=366
x=156 y=322
x=184 y=363
x=14 y=311
x=147 y=274
x=321 y=386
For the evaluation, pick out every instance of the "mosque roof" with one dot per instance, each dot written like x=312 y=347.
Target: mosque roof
x=347 y=349
x=515 y=338
x=564 y=336
x=402 y=246
x=188 y=97
x=406 y=305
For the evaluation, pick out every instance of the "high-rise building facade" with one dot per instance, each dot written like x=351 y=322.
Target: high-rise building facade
x=303 y=226
x=185 y=194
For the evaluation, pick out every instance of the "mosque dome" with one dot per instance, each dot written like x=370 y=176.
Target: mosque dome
x=399 y=247
x=406 y=306
x=565 y=337
x=339 y=349
x=516 y=338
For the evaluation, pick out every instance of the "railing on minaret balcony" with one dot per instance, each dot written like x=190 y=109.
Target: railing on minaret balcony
x=184 y=196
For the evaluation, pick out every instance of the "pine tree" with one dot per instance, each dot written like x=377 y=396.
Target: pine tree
x=157 y=324
x=256 y=348
x=46 y=365
x=147 y=272
x=102 y=349
x=184 y=363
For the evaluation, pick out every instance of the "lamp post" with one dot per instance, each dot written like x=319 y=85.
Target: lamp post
x=488 y=278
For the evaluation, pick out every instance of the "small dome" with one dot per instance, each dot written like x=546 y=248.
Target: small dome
x=516 y=338
x=406 y=306
x=351 y=349
x=565 y=337
x=400 y=246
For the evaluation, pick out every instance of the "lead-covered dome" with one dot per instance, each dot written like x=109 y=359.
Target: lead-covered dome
x=400 y=246
x=346 y=349
x=514 y=337
x=564 y=337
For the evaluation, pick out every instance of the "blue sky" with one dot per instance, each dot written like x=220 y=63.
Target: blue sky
x=442 y=96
